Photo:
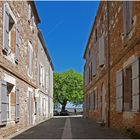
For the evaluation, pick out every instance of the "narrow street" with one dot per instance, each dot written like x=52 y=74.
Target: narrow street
x=69 y=128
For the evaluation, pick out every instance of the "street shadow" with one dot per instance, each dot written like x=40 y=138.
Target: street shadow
x=83 y=128
x=51 y=129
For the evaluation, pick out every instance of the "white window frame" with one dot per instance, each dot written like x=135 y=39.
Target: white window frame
x=10 y=56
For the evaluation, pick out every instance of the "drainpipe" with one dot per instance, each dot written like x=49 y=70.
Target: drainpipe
x=108 y=109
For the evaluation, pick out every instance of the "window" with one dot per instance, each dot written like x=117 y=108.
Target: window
x=96 y=99
x=91 y=71
x=95 y=35
x=30 y=63
x=31 y=20
x=47 y=80
x=87 y=101
x=89 y=54
x=127 y=88
x=127 y=9
x=94 y=63
x=17 y=110
x=6 y=93
x=10 y=33
x=101 y=52
x=4 y=104
x=41 y=75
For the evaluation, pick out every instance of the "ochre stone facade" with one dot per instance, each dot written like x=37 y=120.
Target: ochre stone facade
x=124 y=51
x=18 y=66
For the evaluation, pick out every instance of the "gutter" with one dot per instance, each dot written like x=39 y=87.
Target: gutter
x=108 y=36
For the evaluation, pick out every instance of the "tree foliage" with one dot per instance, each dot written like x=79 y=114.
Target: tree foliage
x=68 y=86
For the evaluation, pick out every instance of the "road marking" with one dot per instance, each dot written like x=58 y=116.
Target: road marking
x=67 y=134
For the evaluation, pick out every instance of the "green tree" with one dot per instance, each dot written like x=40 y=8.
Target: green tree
x=68 y=86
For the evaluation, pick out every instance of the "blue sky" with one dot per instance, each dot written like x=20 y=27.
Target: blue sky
x=66 y=27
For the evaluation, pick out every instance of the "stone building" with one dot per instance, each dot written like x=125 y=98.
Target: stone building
x=19 y=66
x=111 y=70
x=44 y=93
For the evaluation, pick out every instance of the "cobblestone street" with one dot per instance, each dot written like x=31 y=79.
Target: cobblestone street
x=69 y=128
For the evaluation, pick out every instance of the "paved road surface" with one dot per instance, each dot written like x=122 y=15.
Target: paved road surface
x=69 y=128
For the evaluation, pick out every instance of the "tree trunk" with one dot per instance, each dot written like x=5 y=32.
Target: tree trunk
x=63 y=107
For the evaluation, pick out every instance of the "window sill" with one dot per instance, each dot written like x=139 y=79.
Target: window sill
x=31 y=76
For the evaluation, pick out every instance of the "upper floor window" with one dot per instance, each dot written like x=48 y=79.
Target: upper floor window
x=89 y=54
x=11 y=33
x=41 y=75
x=31 y=19
x=101 y=51
x=127 y=13
x=95 y=35
x=94 y=63
x=30 y=61
x=47 y=80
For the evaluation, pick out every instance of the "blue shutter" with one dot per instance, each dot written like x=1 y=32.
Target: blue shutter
x=3 y=103
x=17 y=105
x=17 y=44
x=6 y=29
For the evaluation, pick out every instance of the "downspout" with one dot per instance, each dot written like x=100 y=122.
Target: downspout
x=108 y=109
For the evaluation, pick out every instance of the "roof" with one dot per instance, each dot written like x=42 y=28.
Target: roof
x=45 y=49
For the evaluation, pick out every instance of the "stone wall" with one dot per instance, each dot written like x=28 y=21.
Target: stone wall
x=122 y=50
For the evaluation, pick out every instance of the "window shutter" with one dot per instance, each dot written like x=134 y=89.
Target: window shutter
x=92 y=100
x=135 y=86
x=86 y=102
x=91 y=71
x=96 y=99
x=86 y=77
x=43 y=77
x=29 y=12
x=17 y=105
x=119 y=91
x=39 y=74
x=3 y=103
x=127 y=13
x=6 y=29
x=94 y=64
x=101 y=51
x=30 y=60
x=47 y=80
x=17 y=44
